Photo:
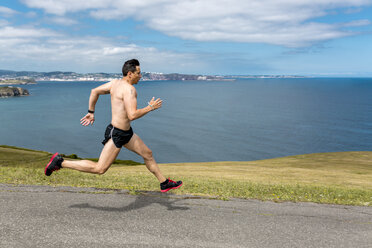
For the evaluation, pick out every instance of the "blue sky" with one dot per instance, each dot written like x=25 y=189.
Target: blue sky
x=331 y=38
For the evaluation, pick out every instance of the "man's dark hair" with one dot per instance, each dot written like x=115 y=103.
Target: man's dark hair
x=130 y=65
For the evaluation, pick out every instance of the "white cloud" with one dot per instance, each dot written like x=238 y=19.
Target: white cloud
x=31 y=14
x=285 y=22
x=61 y=7
x=3 y=22
x=63 y=21
x=7 y=11
x=357 y=23
x=30 y=48
x=24 y=32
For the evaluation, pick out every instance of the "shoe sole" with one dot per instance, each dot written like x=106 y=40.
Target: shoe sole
x=166 y=190
x=46 y=167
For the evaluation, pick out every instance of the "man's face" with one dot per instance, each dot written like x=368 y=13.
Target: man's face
x=136 y=76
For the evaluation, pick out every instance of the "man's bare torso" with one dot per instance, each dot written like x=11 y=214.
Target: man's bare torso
x=119 y=89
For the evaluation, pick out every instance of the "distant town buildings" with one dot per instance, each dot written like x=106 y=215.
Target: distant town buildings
x=146 y=76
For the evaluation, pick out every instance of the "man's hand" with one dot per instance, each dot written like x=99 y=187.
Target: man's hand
x=155 y=104
x=88 y=119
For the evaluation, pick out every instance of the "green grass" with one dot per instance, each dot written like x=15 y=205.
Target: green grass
x=17 y=81
x=336 y=178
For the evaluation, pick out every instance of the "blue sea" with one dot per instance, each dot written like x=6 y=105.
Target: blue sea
x=243 y=120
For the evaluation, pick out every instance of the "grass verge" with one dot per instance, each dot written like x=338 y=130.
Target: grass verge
x=335 y=178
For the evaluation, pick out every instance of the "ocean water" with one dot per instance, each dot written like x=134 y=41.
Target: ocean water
x=248 y=119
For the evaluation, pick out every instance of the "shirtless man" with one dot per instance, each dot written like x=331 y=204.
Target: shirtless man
x=119 y=133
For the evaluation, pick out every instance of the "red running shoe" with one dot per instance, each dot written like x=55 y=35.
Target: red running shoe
x=170 y=184
x=54 y=164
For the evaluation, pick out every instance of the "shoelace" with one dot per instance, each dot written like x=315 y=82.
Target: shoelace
x=171 y=181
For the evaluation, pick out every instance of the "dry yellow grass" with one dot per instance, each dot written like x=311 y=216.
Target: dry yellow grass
x=346 y=169
x=339 y=178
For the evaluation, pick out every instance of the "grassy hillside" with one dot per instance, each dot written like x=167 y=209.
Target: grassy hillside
x=18 y=81
x=339 y=178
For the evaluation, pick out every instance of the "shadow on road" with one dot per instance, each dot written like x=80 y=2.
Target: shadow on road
x=140 y=202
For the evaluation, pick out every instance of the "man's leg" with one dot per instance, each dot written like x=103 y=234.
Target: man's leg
x=136 y=145
x=107 y=157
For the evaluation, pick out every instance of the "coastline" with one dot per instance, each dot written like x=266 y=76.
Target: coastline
x=12 y=84
x=17 y=82
x=10 y=91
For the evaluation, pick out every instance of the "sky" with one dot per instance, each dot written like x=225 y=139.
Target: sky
x=330 y=38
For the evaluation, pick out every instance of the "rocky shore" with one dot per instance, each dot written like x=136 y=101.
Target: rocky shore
x=13 y=91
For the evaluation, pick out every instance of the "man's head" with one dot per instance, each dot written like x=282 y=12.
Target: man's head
x=130 y=65
x=131 y=70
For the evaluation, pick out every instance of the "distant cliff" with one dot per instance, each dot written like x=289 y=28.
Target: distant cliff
x=17 y=81
x=13 y=91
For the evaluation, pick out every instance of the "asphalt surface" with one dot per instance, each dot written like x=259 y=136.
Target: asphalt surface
x=45 y=216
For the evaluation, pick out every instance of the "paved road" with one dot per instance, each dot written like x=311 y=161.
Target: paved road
x=43 y=216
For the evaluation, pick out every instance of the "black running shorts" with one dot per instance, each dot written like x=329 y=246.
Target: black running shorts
x=118 y=136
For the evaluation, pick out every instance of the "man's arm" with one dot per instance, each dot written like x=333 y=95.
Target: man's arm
x=130 y=102
x=94 y=95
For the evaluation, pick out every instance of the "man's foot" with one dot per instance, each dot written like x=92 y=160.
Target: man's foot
x=170 y=184
x=55 y=163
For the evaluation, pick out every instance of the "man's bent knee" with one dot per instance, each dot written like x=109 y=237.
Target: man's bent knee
x=100 y=170
x=147 y=155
